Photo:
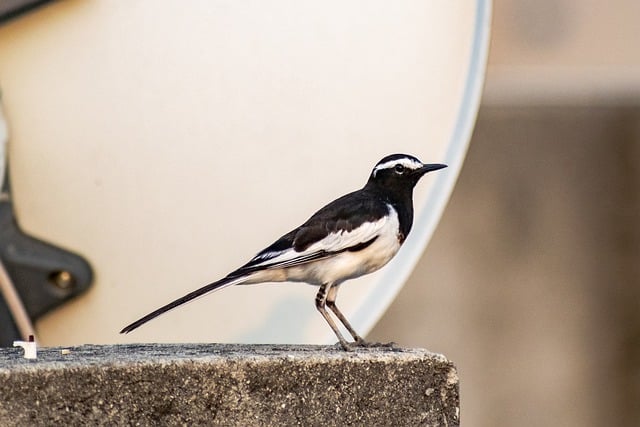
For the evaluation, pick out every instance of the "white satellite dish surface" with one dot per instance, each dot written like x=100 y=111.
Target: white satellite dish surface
x=168 y=143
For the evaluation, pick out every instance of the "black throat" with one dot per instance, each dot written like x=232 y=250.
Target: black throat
x=400 y=197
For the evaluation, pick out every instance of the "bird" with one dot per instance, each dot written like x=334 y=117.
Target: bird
x=351 y=236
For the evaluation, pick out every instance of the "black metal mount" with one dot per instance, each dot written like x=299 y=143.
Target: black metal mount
x=43 y=275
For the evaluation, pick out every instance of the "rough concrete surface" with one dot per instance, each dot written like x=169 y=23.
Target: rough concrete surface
x=216 y=384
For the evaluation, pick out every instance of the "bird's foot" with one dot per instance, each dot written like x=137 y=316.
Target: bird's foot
x=368 y=344
x=361 y=343
x=346 y=346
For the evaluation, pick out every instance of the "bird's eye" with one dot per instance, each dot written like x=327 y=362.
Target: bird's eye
x=399 y=168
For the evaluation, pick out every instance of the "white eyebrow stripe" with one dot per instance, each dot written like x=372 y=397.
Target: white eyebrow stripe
x=407 y=163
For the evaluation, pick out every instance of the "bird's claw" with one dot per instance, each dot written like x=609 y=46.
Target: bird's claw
x=346 y=346
x=369 y=344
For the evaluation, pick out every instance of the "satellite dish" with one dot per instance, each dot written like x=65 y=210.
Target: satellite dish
x=168 y=144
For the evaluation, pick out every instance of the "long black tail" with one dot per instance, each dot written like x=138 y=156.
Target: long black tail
x=215 y=286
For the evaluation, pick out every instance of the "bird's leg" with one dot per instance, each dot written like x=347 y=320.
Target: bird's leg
x=331 y=303
x=321 y=300
x=359 y=341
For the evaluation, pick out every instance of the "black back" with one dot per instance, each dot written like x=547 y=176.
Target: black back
x=384 y=187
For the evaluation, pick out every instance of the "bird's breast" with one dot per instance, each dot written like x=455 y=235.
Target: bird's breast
x=351 y=264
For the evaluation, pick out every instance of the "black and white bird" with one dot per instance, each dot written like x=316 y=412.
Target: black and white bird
x=351 y=236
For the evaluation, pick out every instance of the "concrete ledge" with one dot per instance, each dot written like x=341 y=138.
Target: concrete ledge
x=215 y=384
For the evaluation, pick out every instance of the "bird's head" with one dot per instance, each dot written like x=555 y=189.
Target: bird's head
x=400 y=171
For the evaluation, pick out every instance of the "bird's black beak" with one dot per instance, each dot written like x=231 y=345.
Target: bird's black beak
x=429 y=168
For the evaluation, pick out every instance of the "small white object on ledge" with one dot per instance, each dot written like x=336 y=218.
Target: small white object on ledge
x=30 y=347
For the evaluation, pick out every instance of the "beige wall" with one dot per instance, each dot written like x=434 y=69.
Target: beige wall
x=531 y=283
x=564 y=51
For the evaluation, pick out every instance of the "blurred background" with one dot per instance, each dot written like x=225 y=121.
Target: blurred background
x=531 y=283
x=147 y=151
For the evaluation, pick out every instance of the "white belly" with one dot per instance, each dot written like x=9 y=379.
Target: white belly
x=348 y=265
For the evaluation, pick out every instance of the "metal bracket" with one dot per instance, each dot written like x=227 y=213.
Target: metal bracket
x=10 y=9
x=36 y=276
